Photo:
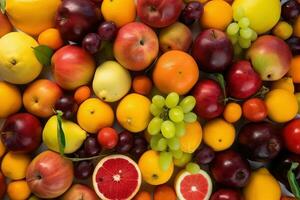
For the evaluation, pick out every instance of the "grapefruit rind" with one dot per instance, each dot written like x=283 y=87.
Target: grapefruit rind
x=116 y=156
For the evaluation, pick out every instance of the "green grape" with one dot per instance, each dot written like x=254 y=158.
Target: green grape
x=193 y=168
x=165 y=160
x=246 y=33
x=176 y=114
x=233 y=28
x=238 y=14
x=154 y=126
x=155 y=111
x=244 y=43
x=253 y=36
x=174 y=143
x=187 y=104
x=237 y=50
x=190 y=117
x=185 y=158
x=168 y=129
x=172 y=100
x=162 y=144
x=154 y=141
x=180 y=129
x=177 y=154
x=159 y=101
x=233 y=38
x=244 y=22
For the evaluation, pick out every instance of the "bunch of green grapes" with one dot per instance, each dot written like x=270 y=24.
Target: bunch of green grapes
x=168 y=125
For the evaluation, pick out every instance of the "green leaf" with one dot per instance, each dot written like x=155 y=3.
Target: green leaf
x=60 y=133
x=220 y=79
x=2 y=6
x=43 y=54
x=293 y=181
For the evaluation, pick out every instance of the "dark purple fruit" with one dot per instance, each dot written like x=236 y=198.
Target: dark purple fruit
x=192 y=12
x=107 y=31
x=83 y=169
x=226 y=194
x=140 y=141
x=91 y=43
x=290 y=10
x=138 y=150
x=204 y=155
x=67 y=105
x=294 y=44
x=91 y=147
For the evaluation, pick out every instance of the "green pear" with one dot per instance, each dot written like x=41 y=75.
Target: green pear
x=74 y=135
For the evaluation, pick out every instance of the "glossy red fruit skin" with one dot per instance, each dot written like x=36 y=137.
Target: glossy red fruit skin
x=159 y=13
x=209 y=99
x=213 y=51
x=291 y=136
x=2 y=185
x=226 y=194
x=242 y=80
x=22 y=133
x=255 y=110
x=107 y=138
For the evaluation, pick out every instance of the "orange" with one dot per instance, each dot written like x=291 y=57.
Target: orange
x=164 y=192
x=217 y=14
x=297 y=27
x=142 y=85
x=232 y=112
x=10 y=99
x=294 y=71
x=81 y=94
x=51 y=38
x=175 y=71
x=142 y=195
x=6 y=27
x=18 y=190
x=192 y=138
x=283 y=30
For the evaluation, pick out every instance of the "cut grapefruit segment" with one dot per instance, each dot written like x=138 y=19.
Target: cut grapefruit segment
x=116 y=177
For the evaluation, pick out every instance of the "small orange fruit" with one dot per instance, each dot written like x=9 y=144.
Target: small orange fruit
x=142 y=85
x=6 y=27
x=232 y=112
x=142 y=195
x=297 y=27
x=164 y=192
x=81 y=94
x=18 y=190
x=51 y=38
x=294 y=71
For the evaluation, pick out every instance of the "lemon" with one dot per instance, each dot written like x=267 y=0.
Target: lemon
x=262 y=186
x=10 y=96
x=286 y=83
x=151 y=170
x=74 y=135
x=32 y=16
x=18 y=64
x=133 y=112
x=192 y=138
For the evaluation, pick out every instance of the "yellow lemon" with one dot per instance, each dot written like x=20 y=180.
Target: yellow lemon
x=133 y=112
x=93 y=114
x=192 y=138
x=218 y=134
x=14 y=165
x=262 y=186
x=18 y=190
x=32 y=16
x=151 y=170
x=282 y=105
x=10 y=96
x=286 y=83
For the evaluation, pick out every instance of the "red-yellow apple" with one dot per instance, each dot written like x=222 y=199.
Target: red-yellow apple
x=80 y=192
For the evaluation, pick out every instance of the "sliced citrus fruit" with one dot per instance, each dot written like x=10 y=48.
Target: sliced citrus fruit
x=116 y=177
x=193 y=186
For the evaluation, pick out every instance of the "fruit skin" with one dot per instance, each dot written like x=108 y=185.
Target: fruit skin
x=213 y=50
x=142 y=84
x=294 y=70
x=138 y=52
x=262 y=185
x=81 y=94
x=142 y=195
x=93 y=114
x=2 y=185
x=80 y=192
x=111 y=81
x=183 y=161
x=11 y=97
x=67 y=105
x=285 y=83
x=283 y=30
x=76 y=18
x=192 y=138
x=128 y=117
x=270 y=57
x=40 y=96
x=255 y=110
x=157 y=13
x=18 y=190
x=232 y=112
x=108 y=138
x=49 y=175
x=209 y=99
x=164 y=192
x=21 y=133
x=72 y=60
x=294 y=44
x=282 y=105
x=256 y=10
x=175 y=37
x=6 y=27
x=120 y=12
x=51 y=38
x=226 y=194
x=242 y=80
x=74 y=135
x=290 y=10
x=291 y=136
x=31 y=16
x=230 y=169
x=151 y=170
x=18 y=64
x=175 y=71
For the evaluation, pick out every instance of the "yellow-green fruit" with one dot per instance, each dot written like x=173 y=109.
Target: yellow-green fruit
x=18 y=64
x=263 y=14
x=283 y=30
x=286 y=83
x=74 y=135
x=185 y=159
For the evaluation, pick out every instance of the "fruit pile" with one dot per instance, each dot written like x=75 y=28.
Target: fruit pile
x=116 y=100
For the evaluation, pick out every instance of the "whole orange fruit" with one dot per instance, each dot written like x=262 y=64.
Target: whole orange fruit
x=175 y=71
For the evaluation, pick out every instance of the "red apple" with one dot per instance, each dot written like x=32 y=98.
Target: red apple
x=80 y=192
x=242 y=81
x=159 y=13
x=39 y=97
x=291 y=136
x=226 y=194
x=2 y=185
x=49 y=175
x=136 y=46
x=72 y=67
x=22 y=133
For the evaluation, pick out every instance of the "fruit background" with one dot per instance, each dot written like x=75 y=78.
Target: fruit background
x=183 y=103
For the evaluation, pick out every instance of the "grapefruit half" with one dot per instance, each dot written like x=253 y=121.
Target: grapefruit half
x=116 y=177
